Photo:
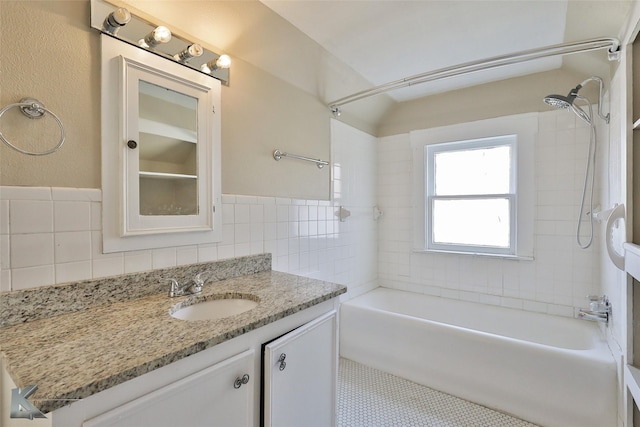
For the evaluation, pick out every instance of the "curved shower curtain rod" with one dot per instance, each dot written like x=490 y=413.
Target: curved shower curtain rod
x=497 y=61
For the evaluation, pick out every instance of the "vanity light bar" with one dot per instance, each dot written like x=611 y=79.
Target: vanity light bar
x=112 y=20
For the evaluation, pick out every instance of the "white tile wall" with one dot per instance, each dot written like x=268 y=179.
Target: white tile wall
x=46 y=241
x=53 y=235
x=561 y=274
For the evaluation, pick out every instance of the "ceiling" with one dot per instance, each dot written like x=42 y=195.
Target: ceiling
x=384 y=41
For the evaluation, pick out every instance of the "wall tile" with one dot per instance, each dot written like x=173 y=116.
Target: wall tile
x=72 y=246
x=31 y=277
x=105 y=267
x=71 y=216
x=138 y=261
x=4 y=217
x=25 y=193
x=163 y=258
x=5 y=252
x=5 y=280
x=31 y=216
x=242 y=214
x=31 y=250
x=207 y=253
x=186 y=255
x=73 y=271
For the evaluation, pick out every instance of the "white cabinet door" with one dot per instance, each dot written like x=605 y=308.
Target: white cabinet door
x=216 y=396
x=300 y=376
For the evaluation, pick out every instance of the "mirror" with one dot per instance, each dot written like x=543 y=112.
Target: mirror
x=168 y=151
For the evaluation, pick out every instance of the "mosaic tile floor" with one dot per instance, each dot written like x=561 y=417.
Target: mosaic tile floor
x=371 y=398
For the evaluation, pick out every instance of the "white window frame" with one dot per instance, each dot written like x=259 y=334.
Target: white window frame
x=525 y=127
x=430 y=152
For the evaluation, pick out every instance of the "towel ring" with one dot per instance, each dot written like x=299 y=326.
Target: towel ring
x=33 y=109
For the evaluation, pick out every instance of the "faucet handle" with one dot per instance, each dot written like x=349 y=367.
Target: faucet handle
x=174 y=286
x=200 y=278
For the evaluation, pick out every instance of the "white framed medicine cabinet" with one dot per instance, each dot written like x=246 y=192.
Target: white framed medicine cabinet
x=160 y=151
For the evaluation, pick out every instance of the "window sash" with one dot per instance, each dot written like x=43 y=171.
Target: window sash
x=465 y=247
x=430 y=152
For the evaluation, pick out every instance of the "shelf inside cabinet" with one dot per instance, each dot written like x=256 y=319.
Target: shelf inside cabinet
x=166 y=130
x=163 y=175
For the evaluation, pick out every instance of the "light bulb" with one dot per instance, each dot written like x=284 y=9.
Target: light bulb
x=116 y=19
x=191 y=51
x=223 y=61
x=159 y=35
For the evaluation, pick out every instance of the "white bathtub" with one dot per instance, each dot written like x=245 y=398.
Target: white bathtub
x=549 y=370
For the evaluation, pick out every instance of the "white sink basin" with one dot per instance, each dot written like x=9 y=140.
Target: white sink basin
x=214 y=309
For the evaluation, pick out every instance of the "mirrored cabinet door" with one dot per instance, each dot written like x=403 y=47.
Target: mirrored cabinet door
x=165 y=146
x=168 y=154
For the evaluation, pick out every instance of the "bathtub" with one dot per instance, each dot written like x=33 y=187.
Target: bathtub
x=549 y=370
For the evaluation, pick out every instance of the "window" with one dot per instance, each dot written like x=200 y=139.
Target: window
x=470 y=196
x=473 y=187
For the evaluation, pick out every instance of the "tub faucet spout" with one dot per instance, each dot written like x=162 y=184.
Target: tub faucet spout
x=599 y=309
x=594 y=316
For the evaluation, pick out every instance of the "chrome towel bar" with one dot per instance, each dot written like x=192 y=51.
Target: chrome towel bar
x=277 y=155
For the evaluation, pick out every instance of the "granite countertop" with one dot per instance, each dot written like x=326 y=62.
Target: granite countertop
x=74 y=355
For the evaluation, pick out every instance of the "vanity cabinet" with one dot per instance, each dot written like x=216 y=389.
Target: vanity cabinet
x=218 y=395
x=161 y=132
x=209 y=388
x=300 y=376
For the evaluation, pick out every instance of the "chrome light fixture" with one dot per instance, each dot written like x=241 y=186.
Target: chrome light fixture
x=159 y=35
x=192 y=51
x=123 y=24
x=222 y=62
x=116 y=19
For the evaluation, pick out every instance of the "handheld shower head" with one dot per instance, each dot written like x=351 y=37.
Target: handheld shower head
x=560 y=101
x=568 y=102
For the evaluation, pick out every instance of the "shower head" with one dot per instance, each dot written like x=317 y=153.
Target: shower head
x=560 y=101
x=568 y=102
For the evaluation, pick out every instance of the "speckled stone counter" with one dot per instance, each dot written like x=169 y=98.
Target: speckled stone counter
x=75 y=355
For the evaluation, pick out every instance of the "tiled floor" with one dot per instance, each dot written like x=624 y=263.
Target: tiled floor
x=371 y=398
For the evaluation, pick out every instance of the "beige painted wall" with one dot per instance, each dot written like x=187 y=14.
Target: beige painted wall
x=502 y=98
x=49 y=52
x=261 y=112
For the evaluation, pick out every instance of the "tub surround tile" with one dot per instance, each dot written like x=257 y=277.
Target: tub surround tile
x=38 y=303
x=89 y=350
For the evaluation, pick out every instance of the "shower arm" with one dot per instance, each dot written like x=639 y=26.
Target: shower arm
x=600 y=96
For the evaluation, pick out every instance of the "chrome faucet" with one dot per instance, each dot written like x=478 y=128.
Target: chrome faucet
x=192 y=287
x=599 y=309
